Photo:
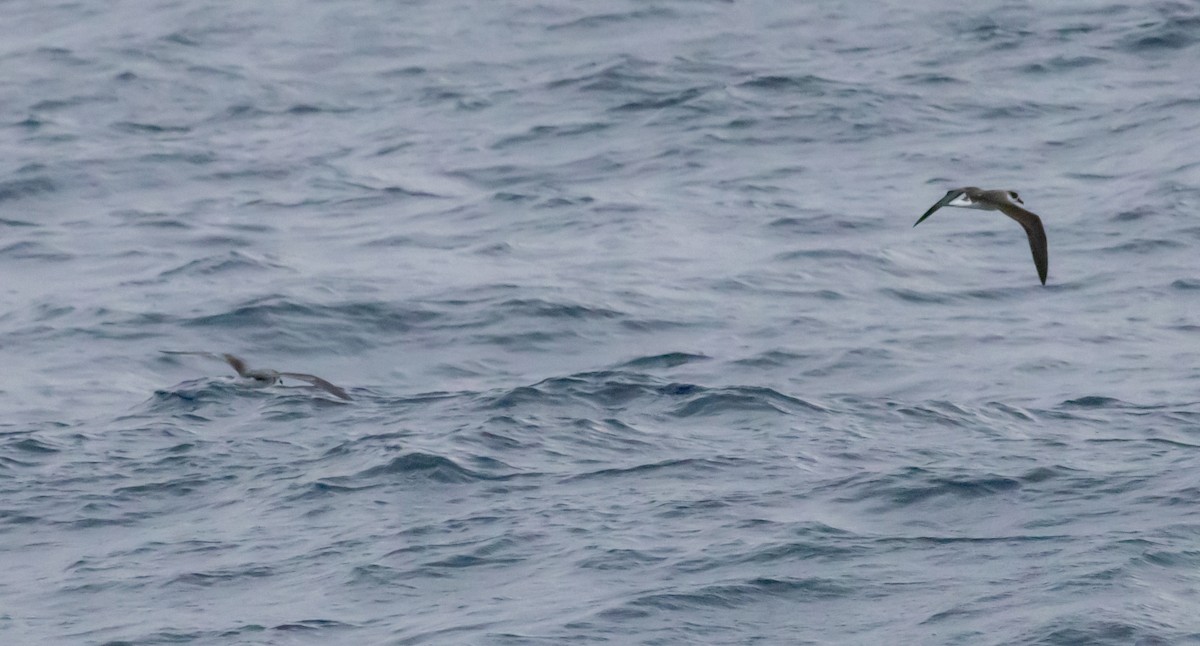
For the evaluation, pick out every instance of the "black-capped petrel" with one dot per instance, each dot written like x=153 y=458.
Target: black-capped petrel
x=266 y=376
x=1007 y=203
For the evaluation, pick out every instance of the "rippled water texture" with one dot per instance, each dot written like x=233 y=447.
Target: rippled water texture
x=642 y=344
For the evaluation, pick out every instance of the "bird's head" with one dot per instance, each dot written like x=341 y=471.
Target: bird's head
x=1014 y=197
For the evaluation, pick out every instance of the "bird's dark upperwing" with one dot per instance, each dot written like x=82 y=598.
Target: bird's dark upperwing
x=237 y=364
x=950 y=195
x=1037 y=236
x=319 y=383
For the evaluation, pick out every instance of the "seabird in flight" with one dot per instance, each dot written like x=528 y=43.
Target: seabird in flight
x=266 y=376
x=1007 y=203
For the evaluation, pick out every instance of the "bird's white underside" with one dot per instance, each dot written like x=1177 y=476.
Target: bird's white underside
x=965 y=202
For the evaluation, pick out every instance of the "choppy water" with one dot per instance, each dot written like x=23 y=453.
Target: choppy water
x=642 y=343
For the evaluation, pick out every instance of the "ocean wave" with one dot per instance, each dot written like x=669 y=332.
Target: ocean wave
x=736 y=594
x=414 y=465
x=17 y=189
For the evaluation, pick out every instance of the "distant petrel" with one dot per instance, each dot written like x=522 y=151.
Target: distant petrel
x=1006 y=202
x=266 y=376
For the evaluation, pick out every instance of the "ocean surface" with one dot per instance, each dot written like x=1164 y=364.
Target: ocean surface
x=642 y=345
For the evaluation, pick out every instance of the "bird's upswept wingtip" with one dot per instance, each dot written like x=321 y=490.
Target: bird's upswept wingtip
x=946 y=199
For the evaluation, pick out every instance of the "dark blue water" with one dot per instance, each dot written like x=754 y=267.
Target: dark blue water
x=642 y=344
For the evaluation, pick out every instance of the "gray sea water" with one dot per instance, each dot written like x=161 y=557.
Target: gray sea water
x=642 y=344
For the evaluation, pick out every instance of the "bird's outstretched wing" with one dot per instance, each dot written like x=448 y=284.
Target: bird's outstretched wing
x=1037 y=236
x=210 y=355
x=319 y=383
x=950 y=195
x=236 y=363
